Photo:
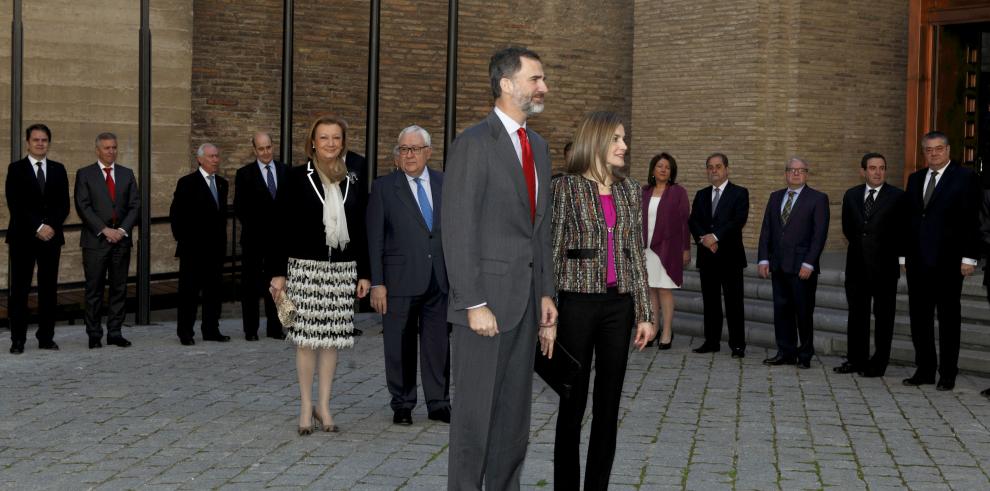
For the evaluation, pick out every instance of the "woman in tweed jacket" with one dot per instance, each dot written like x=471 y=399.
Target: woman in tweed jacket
x=602 y=291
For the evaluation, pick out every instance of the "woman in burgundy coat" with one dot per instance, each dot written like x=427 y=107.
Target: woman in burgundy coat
x=665 y=231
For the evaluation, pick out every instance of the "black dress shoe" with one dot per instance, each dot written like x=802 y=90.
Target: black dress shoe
x=49 y=345
x=16 y=348
x=402 y=416
x=442 y=414
x=187 y=342
x=277 y=336
x=846 y=367
x=667 y=345
x=358 y=332
x=220 y=338
x=872 y=372
x=706 y=348
x=739 y=352
x=946 y=383
x=985 y=393
x=251 y=337
x=779 y=360
x=804 y=364
x=118 y=341
x=917 y=380
x=95 y=343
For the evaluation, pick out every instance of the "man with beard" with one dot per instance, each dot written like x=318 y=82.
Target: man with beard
x=496 y=238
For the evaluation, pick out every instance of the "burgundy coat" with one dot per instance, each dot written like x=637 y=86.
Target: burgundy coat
x=670 y=235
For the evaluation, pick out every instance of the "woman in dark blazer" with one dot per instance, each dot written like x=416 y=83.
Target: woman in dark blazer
x=321 y=260
x=602 y=293
x=665 y=231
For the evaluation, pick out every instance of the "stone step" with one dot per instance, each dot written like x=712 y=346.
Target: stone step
x=831 y=319
x=758 y=333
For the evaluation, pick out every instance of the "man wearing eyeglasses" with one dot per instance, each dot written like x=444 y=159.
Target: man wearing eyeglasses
x=792 y=238
x=943 y=244
x=409 y=278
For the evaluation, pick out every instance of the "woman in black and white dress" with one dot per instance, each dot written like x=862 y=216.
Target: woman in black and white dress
x=321 y=260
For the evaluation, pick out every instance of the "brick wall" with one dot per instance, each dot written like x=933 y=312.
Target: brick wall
x=762 y=81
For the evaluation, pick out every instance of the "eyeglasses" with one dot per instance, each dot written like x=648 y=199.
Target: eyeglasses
x=411 y=150
x=795 y=171
x=938 y=149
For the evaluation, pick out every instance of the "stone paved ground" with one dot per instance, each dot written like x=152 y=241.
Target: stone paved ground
x=163 y=416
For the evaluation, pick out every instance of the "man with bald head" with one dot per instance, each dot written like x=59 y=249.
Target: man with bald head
x=255 y=189
x=198 y=216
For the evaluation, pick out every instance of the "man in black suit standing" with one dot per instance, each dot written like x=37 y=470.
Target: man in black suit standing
x=255 y=189
x=718 y=216
x=792 y=237
x=409 y=278
x=872 y=221
x=199 y=224
x=943 y=246
x=38 y=199
x=108 y=204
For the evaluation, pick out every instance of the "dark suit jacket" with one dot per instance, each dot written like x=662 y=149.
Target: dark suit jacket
x=948 y=229
x=727 y=224
x=495 y=253
x=403 y=253
x=802 y=239
x=299 y=206
x=29 y=209
x=94 y=207
x=198 y=224
x=670 y=234
x=875 y=241
x=254 y=205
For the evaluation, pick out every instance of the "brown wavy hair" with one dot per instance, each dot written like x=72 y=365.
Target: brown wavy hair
x=591 y=141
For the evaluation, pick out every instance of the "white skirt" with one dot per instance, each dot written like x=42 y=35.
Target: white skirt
x=323 y=292
x=656 y=275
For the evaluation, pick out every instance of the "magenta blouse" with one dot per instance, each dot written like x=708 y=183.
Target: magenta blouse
x=608 y=209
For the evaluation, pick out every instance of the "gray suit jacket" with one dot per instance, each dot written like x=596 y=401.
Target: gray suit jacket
x=403 y=253
x=494 y=253
x=95 y=208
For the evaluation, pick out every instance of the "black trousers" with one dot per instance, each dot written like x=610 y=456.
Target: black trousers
x=106 y=266
x=717 y=283
x=931 y=289
x=407 y=319
x=794 y=314
x=254 y=284
x=599 y=325
x=22 y=259
x=199 y=274
x=864 y=291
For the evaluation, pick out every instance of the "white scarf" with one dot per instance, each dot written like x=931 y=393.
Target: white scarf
x=334 y=219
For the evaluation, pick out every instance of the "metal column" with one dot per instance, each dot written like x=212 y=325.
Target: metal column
x=144 y=168
x=371 y=137
x=16 y=81
x=285 y=132
x=450 y=100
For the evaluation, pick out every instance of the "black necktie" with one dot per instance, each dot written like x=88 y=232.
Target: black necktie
x=868 y=205
x=41 y=177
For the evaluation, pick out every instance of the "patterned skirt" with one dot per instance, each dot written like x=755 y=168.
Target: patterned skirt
x=323 y=292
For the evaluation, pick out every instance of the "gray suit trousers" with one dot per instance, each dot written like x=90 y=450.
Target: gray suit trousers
x=106 y=266
x=493 y=388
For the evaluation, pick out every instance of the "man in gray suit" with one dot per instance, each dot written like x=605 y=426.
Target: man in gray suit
x=409 y=278
x=496 y=239
x=108 y=203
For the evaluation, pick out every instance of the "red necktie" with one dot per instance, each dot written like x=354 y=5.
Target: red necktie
x=529 y=172
x=112 y=189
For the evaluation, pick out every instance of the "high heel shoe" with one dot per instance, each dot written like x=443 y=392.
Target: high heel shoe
x=322 y=427
x=667 y=345
x=306 y=430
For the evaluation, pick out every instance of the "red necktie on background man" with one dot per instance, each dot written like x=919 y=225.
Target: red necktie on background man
x=529 y=172
x=112 y=189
